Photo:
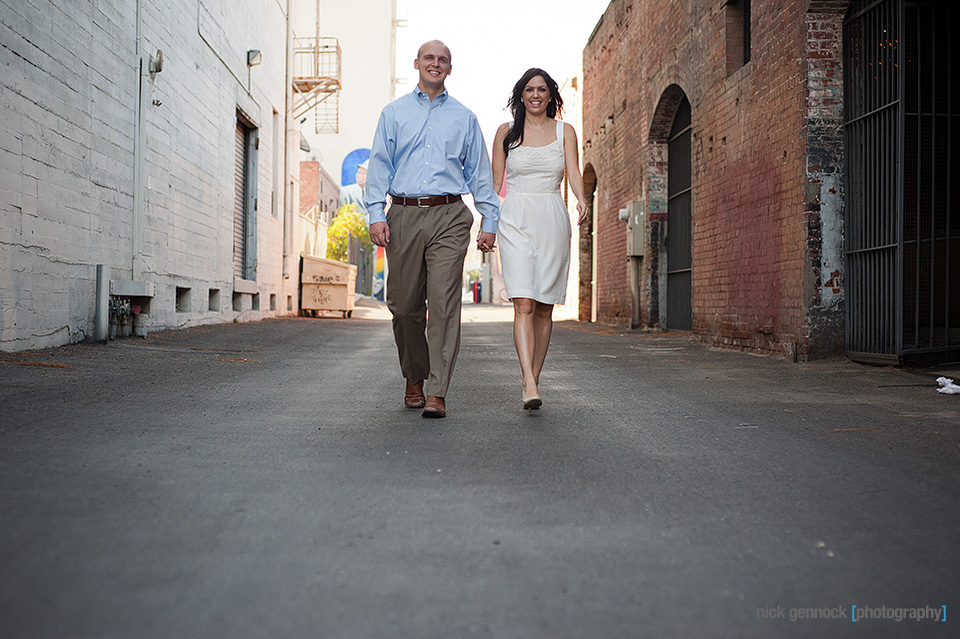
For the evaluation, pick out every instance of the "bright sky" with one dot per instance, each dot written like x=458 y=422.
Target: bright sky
x=493 y=42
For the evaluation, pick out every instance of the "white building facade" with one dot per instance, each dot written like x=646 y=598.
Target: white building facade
x=149 y=138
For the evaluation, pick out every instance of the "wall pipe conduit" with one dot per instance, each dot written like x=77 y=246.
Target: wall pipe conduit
x=138 y=156
x=102 y=326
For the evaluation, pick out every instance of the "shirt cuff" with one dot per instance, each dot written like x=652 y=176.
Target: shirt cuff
x=377 y=215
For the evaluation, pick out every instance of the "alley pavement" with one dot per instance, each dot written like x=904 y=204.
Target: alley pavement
x=264 y=480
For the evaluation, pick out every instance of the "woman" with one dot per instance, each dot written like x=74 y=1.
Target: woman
x=534 y=231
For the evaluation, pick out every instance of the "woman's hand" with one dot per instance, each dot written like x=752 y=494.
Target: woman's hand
x=584 y=212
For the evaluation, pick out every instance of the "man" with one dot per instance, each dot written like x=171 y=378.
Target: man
x=427 y=152
x=353 y=193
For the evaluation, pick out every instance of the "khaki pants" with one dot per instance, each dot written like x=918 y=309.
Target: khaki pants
x=425 y=254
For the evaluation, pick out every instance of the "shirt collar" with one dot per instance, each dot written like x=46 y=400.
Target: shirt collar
x=423 y=97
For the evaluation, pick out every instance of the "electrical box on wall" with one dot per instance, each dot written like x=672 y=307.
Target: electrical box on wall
x=636 y=228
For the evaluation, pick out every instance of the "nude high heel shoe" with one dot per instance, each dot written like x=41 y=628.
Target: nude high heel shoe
x=531 y=402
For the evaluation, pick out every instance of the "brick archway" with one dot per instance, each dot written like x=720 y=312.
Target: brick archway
x=828 y=6
x=661 y=124
x=663 y=115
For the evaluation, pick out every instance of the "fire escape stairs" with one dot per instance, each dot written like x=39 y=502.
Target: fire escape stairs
x=316 y=81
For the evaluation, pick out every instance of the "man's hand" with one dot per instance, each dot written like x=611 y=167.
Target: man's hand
x=379 y=233
x=486 y=242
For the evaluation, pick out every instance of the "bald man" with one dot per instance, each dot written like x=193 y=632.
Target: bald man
x=427 y=152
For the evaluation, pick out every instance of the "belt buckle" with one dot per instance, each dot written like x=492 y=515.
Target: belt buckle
x=420 y=204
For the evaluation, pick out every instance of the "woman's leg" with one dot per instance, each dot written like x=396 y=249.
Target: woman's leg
x=542 y=328
x=524 y=338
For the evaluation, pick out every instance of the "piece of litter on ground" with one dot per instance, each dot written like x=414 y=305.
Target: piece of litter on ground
x=947 y=387
x=747 y=426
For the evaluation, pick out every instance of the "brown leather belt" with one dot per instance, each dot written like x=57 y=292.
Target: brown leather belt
x=425 y=200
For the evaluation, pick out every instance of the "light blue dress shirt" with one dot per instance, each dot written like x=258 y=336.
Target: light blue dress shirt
x=430 y=148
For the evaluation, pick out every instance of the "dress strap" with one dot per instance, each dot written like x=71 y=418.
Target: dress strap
x=560 y=132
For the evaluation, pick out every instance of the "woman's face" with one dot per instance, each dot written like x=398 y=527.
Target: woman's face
x=536 y=95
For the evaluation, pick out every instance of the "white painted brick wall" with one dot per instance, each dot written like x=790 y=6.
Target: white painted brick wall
x=68 y=87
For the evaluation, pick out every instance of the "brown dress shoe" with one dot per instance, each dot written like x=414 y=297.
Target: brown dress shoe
x=413 y=397
x=435 y=407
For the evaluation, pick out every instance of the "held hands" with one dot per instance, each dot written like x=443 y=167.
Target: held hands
x=486 y=242
x=584 y=212
x=379 y=233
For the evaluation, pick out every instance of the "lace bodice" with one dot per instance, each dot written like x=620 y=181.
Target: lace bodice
x=536 y=169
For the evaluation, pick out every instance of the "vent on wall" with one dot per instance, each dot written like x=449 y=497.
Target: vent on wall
x=183 y=299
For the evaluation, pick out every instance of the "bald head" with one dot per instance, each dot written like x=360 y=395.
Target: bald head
x=434 y=43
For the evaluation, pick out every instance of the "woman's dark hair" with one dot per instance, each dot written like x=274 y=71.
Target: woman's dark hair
x=515 y=104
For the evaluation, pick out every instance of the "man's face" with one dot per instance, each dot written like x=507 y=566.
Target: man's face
x=362 y=177
x=434 y=65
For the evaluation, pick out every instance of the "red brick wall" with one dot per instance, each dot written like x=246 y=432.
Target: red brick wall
x=748 y=229
x=751 y=239
x=309 y=185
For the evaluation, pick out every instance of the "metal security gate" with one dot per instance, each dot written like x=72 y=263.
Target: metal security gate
x=239 y=201
x=245 y=201
x=679 y=236
x=902 y=150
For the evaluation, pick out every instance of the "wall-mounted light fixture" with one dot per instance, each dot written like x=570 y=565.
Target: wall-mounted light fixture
x=254 y=57
x=156 y=62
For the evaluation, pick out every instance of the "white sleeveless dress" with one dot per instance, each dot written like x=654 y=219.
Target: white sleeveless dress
x=534 y=228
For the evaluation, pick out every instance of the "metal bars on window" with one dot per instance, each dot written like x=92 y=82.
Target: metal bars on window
x=902 y=231
x=871 y=114
x=679 y=219
x=931 y=158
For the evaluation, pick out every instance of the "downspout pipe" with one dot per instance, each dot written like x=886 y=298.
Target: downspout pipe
x=287 y=144
x=102 y=325
x=137 y=263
